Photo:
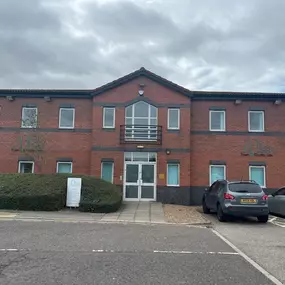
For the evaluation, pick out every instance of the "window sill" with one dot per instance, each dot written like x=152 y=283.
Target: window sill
x=253 y=131
x=109 y=129
x=66 y=128
x=173 y=186
x=217 y=131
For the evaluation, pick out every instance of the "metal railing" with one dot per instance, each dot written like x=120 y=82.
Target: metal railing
x=151 y=134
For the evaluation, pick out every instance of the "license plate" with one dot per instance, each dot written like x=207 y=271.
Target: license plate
x=248 y=201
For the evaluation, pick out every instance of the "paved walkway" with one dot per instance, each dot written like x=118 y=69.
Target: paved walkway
x=136 y=212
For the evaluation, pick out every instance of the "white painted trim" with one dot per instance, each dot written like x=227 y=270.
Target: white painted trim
x=210 y=121
x=22 y=119
x=112 y=169
x=178 y=168
x=210 y=172
x=73 y=121
x=248 y=118
x=178 y=119
x=264 y=173
x=248 y=259
x=64 y=162
x=23 y=161
x=114 y=114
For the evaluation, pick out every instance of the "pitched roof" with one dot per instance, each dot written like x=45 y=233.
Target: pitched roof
x=145 y=73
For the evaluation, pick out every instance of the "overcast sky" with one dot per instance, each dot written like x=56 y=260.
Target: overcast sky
x=199 y=44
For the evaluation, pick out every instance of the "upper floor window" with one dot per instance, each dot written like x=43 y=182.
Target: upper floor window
x=66 y=118
x=29 y=117
x=141 y=122
x=173 y=119
x=256 y=121
x=217 y=120
x=108 y=118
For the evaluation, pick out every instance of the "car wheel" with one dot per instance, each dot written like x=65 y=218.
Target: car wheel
x=263 y=219
x=206 y=210
x=220 y=214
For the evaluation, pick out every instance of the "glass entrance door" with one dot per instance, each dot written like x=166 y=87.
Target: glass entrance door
x=140 y=182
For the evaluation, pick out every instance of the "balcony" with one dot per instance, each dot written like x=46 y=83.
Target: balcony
x=150 y=134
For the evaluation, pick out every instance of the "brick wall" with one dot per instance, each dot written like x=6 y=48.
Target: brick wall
x=228 y=146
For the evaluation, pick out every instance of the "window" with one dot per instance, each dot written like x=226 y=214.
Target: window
x=141 y=122
x=217 y=121
x=257 y=174
x=217 y=172
x=109 y=118
x=173 y=174
x=249 y=187
x=107 y=171
x=173 y=119
x=66 y=118
x=29 y=117
x=64 y=167
x=280 y=192
x=26 y=167
x=256 y=121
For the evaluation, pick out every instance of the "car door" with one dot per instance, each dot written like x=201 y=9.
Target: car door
x=213 y=196
x=277 y=202
x=208 y=196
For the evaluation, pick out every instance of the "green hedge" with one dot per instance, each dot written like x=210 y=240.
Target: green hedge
x=40 y=192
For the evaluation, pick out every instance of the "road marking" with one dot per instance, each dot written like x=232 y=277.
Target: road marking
x=249 y=260
x=272 y=219
x=195 y=252
x=169 y=252
x=9 y=249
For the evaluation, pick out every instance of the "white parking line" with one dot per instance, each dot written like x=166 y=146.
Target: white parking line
x=195 y=252
x=9 y=249
x=249 y=260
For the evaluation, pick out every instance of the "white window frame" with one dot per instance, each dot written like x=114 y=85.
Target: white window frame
x=22 y=120
x=26 y=161
x=66 y=162
x=73 y=121
x=114 y=114
x=264 y=173
x=168 y=119
x=249 y=127
x=210 y=172
x=178 y=167
x=112 y=169
x=210 y=121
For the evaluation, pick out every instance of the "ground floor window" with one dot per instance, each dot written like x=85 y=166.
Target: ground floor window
x=257 y=173
x=64 y=167
x=173 y=174
x=107 y=171
x=217 y=172
x=26 y=167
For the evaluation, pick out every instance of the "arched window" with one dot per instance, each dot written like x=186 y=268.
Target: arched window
x=141 y=121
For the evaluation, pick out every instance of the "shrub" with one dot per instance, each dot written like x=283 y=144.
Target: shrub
x=47 y=192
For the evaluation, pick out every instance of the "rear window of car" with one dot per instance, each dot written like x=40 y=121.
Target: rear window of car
x=242 y=187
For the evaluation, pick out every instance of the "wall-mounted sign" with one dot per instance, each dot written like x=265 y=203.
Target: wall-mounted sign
x=73 y=192
x=256 y=148
x=161 y=176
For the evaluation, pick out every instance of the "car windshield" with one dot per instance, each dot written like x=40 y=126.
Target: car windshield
x=245 y=187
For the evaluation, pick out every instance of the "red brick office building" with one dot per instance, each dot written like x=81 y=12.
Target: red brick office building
x=158 y=140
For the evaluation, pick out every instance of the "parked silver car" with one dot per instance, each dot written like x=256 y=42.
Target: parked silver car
x=236 y=198
x=276 y=202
